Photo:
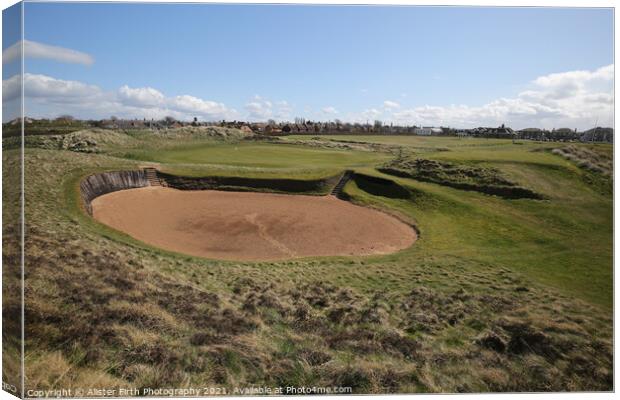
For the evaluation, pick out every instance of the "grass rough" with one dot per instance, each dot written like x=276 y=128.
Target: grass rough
x=497 y=295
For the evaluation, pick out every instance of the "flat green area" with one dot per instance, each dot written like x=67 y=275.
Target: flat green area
x=412 y=141
x=258 y=155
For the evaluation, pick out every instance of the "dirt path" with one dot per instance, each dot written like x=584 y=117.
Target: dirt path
x=250 y=226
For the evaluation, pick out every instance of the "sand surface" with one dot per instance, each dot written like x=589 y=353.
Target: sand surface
x=250 y=226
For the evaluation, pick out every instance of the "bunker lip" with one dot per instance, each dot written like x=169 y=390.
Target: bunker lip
x=251 y=226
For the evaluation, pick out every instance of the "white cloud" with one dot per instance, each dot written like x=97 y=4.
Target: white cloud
x=11 y=102
x=141 y=97
x=11 y=88
x=283 y=110
x=261 y=109
x=194 y=105
x=368 y=115
x=47 y=97
x=258 y=110
x=390 y=104
x=41 y=50
x=42 y=86
x=574 y=99
x=371 y=113
x=575 y=78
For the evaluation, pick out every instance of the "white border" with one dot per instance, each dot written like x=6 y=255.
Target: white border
x=476 y=3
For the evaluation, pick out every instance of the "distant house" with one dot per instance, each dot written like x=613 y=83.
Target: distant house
x=598 y=134
x=273 y=130
x=447 y=131
x=427 y=131
x=259 y=127
x=501 y=132
x=246 y=129
x=532 y=133
x=109 y=124
x=130 y=124
x=564 y=134
x=286 y=129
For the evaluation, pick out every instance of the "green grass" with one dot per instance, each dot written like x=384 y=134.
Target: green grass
x=258 y=155
x=414 y=141
x=483 y=266
x=564 y=242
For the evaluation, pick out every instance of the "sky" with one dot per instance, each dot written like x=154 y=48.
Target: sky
x=437 y=66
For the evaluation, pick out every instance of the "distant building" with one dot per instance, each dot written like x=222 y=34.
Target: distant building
x=532 y=133
x=259 y=127
x=273 y=130
x=427 y=131
x=129 y=124
x=109 y=124
x=563 y=134
x=598 y=134
x=501 y=132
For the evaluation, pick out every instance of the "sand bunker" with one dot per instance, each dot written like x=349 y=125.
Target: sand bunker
x=250 y=226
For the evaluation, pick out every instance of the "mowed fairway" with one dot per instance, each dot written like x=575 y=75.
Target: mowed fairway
x=259 y=155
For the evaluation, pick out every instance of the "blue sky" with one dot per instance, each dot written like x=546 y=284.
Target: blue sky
x=422 y=65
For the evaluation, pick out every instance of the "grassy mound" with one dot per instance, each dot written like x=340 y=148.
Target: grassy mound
x=484 y=180
x=43 y=127
x=592 y=158
x=85 y=141
x=202 y=132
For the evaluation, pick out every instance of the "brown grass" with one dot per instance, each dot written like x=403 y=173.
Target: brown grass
x=144 y=329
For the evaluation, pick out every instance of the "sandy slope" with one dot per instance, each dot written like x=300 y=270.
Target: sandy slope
x=251 y=226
